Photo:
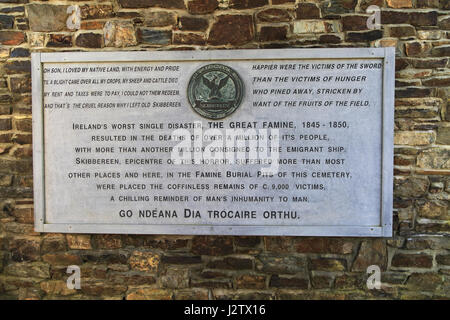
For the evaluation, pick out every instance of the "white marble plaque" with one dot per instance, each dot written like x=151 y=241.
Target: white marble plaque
x=254 y=142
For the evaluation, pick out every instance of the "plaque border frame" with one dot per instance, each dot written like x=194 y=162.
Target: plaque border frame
x=384 y=229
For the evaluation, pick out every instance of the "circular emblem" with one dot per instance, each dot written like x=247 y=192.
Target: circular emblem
x=215 y=91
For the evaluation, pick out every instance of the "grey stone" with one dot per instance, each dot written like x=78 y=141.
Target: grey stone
x=46 y=17
x=152 y=36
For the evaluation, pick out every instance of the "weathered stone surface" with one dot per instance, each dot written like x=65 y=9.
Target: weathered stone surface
x=250 y=281
x=79 y=241
x=364 y=4
x=6 y=180
x=354 y=22
x=438 y=51
x=64 y=259
x=435 y=158
x=5 y=124
x=330 y=7
x=371 y=253
x=399 y=3
x=416 y=112
x=386 y=42
x=416 y=18
x=278 y=244
x=414 y=138
x=23 y=124
x=175 y=4
x=107 y=241
x=11 y=38
x=202 y=6
x=132 y=278
x=212 y=245
x=364 y=36
x=419 y=18
x=427 y=3
x=280 y=264
x=273 y=15
x=412 y=260
x=417 y=48
x=28 y=269
x=17 y=9
x=188 y=38
x=119 y=34
x=411 y=74
x=6 y=22
x=145 y=261
x=231 y=263
x=433 y=210
x=181 y=259
x=443 y=135
x=323 y=245
x=424 y=281
x=25 y=248
x=100 y=288
x=321 y=281
x=438 y=81
x=444 y=23
x=56 y=287
x=242 y=26
x=47 y=17
x=99 y=271
x=175 y=277
x=289 y=282
x=149 y=294
x=160 y=19
x=246 y=4
x=153 y=36
x=92 y=25
x=429 y=34
x=36 y=39
x=282 y=1
x=247 y=241
x=443 y=259
x=327 y=264
x=97 y=11
x=59 y=40
x=269 y=33
x=212 y=283
x=17 y=66
x=330 y=38
x=420 y=243
x=307 y=11
x=4 y=53
x=411 y=187
x=22 y=138
x=89 y=40
x=413 y=92
x=402 y=31
x=192 y=294
x=315 y=26
x=187 y=23
x=443 y=4
x=53 y=242
x=349 y=281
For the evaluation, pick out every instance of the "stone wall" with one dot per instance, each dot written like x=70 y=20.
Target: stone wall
x=415 y=263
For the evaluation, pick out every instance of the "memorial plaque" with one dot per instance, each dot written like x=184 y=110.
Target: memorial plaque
x=238 y=142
